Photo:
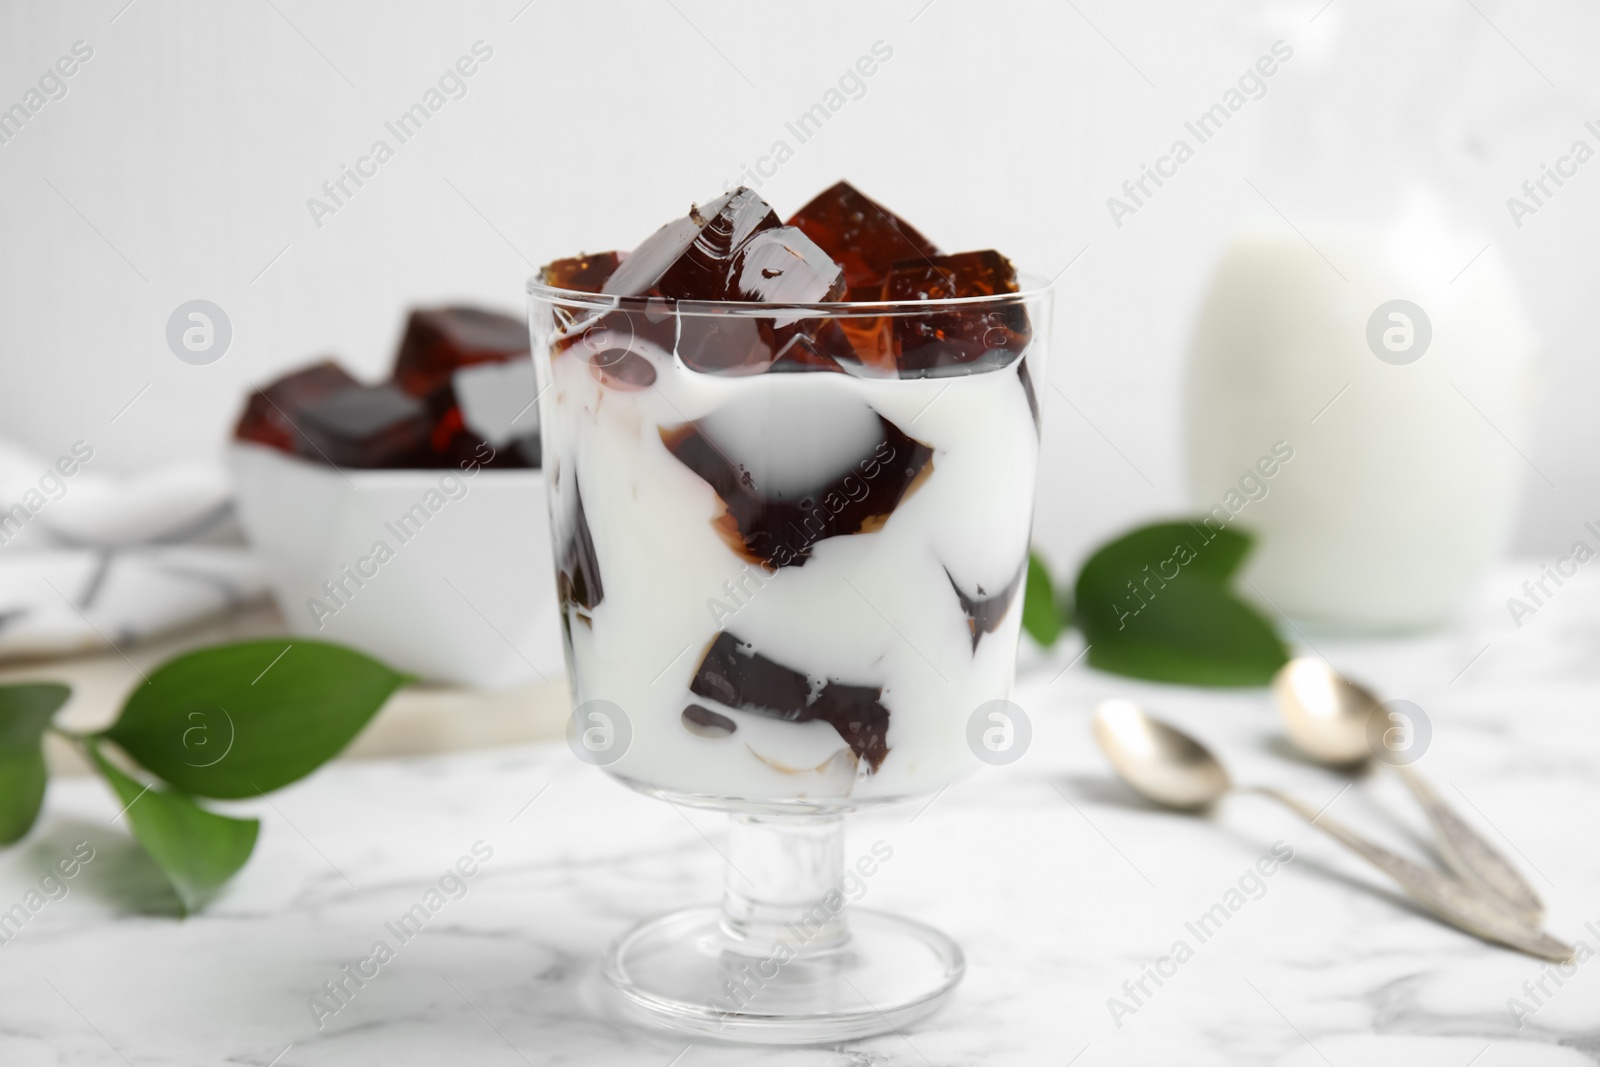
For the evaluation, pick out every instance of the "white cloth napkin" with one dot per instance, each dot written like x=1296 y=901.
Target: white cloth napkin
x=91 y=561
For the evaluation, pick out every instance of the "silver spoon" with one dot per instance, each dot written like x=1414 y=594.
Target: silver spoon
x=1173 y=769
x=1329 y=718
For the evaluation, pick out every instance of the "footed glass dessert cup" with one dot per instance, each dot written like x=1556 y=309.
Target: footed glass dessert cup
x=790 y=542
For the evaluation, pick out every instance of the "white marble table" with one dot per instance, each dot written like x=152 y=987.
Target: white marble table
x=1059 y=884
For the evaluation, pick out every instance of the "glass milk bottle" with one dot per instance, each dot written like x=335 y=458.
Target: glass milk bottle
x=1377 y=400
x=1361 y=377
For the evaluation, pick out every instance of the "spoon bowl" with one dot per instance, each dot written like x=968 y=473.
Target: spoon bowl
x=1159 y=761
x=1331 y=719
x=1327 y=714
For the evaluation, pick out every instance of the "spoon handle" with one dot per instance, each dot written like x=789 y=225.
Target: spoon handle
x=1478 y=862
x=1447 y=897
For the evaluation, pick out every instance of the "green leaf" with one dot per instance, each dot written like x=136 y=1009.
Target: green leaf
x=1156 y=604
x=198 y=850
x=25 y=711
x=237 y=720
x=1041 y=615
x=1216 y=554
x=1192 y=634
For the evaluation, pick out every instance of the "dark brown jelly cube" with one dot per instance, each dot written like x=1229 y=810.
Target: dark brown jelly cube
x=583 y=274
x=732 y=249
x=578 y=584
x=703 y=722
x=812 y=345
x=482 y=407
x=628 y=371
x=865 y=238
x=271 y=415
x=858 y=714
x=610 y=344
x=733 y=673
x=784 y=266
x=985 y=611
x=868 y=342
x=777 y=532
x=368 y=426
x=719 y=343
x=1026 y=380
x=440 y=341
x=780 y=265
x=693 y=258
x=451 y=443
x=959 y=340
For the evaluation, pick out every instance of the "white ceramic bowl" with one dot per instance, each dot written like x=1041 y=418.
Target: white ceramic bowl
x=445 y=574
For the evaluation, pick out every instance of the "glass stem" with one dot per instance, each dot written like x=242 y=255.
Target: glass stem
x=782 y=883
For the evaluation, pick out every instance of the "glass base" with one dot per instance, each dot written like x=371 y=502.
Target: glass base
x=787 y=959
x=684 y=973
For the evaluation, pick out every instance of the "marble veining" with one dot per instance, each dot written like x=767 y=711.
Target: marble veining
x=1064 y=889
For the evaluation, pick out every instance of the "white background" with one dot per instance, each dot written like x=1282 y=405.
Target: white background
x=180 y=162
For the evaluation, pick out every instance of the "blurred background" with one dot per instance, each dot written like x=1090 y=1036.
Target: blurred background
x=180 y=160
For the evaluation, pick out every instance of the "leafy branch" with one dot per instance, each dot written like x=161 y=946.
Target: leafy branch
x=1156 y=603
x=221 y=723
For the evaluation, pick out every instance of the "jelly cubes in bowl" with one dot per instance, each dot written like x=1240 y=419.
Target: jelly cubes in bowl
x=375 y=518
x=462 y=392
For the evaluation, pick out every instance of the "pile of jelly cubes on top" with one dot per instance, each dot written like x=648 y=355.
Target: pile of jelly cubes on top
x=462 y=393
x=842 y=247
